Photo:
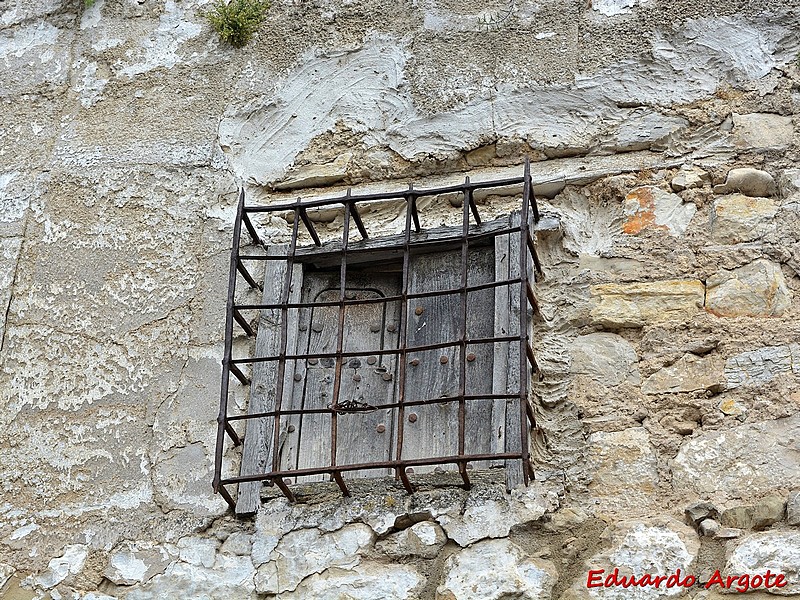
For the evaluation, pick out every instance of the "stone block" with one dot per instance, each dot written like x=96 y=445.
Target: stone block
x=757 y=289
x=131 y=565
x=624 y=467
x=748 y=181
x=709 y=527
x=728 y=533
x=740 y=517
x=313 y=175
x=690 y=373
x=687 y=179
x=304 y=552
x=793 y=508
x=744 y=460
x=638 y=304
x=738 y=218
x=605 y=357
x=762 y=131
x=760 y=366
x=700 y=511
x=423 y=539
x=768 y=511
x=778 y=551
x=650 y=207
x=658 y=545
x=494 y=570
x=366 y=581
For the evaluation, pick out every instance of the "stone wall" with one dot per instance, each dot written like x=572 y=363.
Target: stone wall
x=665 y=142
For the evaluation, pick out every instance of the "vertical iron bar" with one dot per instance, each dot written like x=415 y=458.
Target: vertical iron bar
x=523 y=324
x=337 y=377
x=414 y=212
x=222 y=417
x=462 y=363
x=287 y=286
x=531 y=196
x=473 y=207
x=403 y=338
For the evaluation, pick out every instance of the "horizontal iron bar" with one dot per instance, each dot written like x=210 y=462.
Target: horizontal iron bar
x=257 y=359
x=381 y=300
x=398 y=195
x=370 y=246
x=313 y=411
x=415 y=462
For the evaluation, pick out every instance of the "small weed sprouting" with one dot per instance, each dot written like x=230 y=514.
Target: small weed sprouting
x=237 y=20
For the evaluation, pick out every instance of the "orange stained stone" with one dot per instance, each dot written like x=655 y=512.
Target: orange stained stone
x=644 y=214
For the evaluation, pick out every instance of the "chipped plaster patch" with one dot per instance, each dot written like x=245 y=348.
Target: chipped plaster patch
x=161 y=49
x=612 y=8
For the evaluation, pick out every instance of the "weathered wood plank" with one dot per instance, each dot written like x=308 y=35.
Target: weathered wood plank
x=514 y=473
x=368 y=437
x=500 y=366
x=435 y=320
x=258 y=451
x=314 y=444
x=480 y=324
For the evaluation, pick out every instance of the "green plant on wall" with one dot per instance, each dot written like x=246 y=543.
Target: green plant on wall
x=237 y=20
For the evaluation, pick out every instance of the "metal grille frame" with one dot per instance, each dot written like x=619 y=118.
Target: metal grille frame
x=471 y=232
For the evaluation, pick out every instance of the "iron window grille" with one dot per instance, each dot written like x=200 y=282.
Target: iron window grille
x=329 y=281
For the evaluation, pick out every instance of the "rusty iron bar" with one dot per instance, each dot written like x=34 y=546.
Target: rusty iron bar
x=356 y=216
x=381 y=300
x=246 y=274
x=309 y=225
x=472 y=206
x=250 y=229
x=462 y=469
x=395 y=195
x=284 y=336
x=535 y=256
x=402 y=341
x=226 y=496
x=523 y=324
x=243 y=379
x=407 y=403
x=337 y=376
x=222 y=423
x=462 y=344
x=282 y=486
x=532 y=298
x=337 y=476
x=355 y=354
x=308 y=253
x=531 y=195
x=242 y=322
x=391 y=464
x=400 y=472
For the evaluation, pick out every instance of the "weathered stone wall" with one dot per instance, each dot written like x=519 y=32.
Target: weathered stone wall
x=665 y=140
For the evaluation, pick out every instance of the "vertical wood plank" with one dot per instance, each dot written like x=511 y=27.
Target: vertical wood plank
x=258 y=451
x=500 y=366
x=514 y=474
x=480 y=305
x=434 y=433
x=368 y=436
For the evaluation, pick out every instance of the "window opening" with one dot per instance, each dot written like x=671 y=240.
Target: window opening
x=394 y=355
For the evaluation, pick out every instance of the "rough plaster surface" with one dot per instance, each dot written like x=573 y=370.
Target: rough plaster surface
x=668 y=351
